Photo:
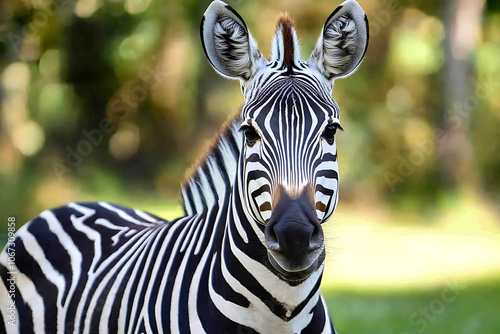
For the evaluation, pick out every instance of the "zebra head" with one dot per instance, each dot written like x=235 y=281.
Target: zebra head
x=288 y=166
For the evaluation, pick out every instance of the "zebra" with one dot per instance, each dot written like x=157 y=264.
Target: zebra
x=248 y=254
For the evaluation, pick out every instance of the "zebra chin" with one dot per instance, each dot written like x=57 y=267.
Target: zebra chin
x=294 y=238
x=289 y=270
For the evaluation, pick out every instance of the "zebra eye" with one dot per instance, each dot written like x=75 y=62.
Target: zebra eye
x=251 y=135
x=329 y=133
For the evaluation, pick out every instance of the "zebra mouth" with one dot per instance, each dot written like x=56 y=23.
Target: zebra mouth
x=294 y=273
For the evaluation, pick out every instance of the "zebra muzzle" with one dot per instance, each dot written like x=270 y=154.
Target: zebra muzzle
x=294 y=237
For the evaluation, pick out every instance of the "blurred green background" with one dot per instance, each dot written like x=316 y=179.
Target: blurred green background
x=114 y=99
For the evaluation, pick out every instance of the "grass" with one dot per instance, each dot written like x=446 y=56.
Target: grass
x=473 y=310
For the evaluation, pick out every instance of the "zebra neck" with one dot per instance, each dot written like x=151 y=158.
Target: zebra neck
x=212 y=179
x=260 y=294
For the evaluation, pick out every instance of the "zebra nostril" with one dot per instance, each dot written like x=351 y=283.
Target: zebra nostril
x=317 y=238
x=271 y=237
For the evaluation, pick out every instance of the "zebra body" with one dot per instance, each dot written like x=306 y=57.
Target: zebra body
x=109 y=285
x=248 y=255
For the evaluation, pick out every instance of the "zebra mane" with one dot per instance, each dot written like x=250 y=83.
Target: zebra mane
x=285 y=46
x=212 y=177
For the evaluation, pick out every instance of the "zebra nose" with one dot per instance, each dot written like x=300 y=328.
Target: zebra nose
x=294 y=229
x=293 y=238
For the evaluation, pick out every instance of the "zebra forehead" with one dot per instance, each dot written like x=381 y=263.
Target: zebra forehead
x=291 y=97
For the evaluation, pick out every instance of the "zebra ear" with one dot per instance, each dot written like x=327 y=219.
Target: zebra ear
x=227 y=42
x=342 y=43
